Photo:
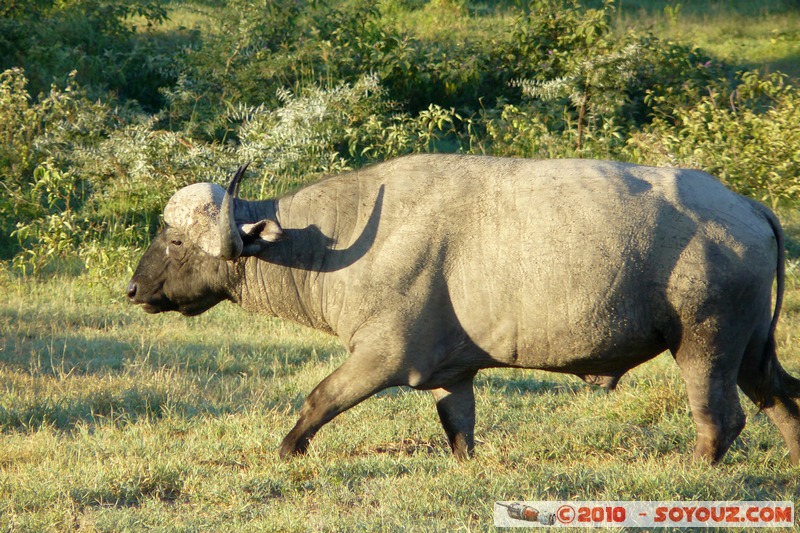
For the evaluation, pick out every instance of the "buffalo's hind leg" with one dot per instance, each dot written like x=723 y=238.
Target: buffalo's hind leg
x=456 y=407
x=710 y=368
x=356 y=380
x=772 y=389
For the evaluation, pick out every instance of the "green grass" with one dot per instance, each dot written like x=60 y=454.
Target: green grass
x=112 y=419
x=763 y=35
x=753 y=33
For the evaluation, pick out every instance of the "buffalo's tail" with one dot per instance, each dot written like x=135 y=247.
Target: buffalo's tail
x=773 y=381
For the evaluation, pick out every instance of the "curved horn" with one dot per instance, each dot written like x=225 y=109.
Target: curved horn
x=230 y=244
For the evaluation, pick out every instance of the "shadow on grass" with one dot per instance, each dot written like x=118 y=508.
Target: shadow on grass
x=75 y=354
x=119 y=407
x=68 y=380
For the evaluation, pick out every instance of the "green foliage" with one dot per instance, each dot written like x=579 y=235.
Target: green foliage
x=589 y=87
x=595 y=86
x=130 y=106
x=267 y=46
x=94 y=38
x=327 y=131
x=38 y=140
x=54 y=232
x=549 y=34
x=522 y=132
x=747 y=135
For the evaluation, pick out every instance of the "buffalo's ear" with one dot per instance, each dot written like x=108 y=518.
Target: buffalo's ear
x=259 y=235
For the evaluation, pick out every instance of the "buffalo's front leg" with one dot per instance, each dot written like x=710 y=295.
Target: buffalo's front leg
x=456 y=407
x=356 y=380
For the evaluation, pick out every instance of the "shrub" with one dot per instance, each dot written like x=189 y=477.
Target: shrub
x=447 y=74
x=323 y=131
x=549 y=34
x=747 y=135
x=89 y=182
x=264 y=47
x=36 y=140
x=586 y=87
x=94 y=38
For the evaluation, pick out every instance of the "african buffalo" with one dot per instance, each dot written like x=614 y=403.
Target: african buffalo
x=432 y=267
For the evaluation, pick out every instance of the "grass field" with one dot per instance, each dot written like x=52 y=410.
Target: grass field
x=763 y=35
x=116 y=420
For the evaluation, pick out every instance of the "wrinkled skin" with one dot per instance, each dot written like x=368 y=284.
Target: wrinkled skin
x=430 y=268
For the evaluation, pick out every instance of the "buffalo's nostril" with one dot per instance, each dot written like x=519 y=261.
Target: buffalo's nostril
x=132 y=288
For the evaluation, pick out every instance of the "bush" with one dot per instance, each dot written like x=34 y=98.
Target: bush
x=37 y=140
x=747 y=135
x=89 y=182
x=93 y=38
x=264 y=47
x=584 y=91
x=315 y=87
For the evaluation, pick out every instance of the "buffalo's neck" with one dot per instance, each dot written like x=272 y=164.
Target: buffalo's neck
x=287 y=280
x=280 y=291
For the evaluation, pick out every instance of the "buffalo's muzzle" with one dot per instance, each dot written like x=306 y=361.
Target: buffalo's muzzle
x=132 y=289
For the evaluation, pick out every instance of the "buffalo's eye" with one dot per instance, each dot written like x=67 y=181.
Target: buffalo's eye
x=176 y=242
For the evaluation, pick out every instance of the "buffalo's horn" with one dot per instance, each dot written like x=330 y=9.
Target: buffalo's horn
x=230 y=241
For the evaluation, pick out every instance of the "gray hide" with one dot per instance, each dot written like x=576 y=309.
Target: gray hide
x=431 y=267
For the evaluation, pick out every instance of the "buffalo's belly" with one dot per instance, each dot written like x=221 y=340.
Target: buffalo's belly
x=586 y=307
x=614 y=351
x=596 y=341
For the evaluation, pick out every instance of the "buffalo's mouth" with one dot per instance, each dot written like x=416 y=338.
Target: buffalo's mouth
x=148 y=308
x=151 y=303
x=155 y=307
x=163 y=305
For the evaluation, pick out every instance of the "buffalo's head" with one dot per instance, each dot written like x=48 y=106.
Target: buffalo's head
x=188 y=266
